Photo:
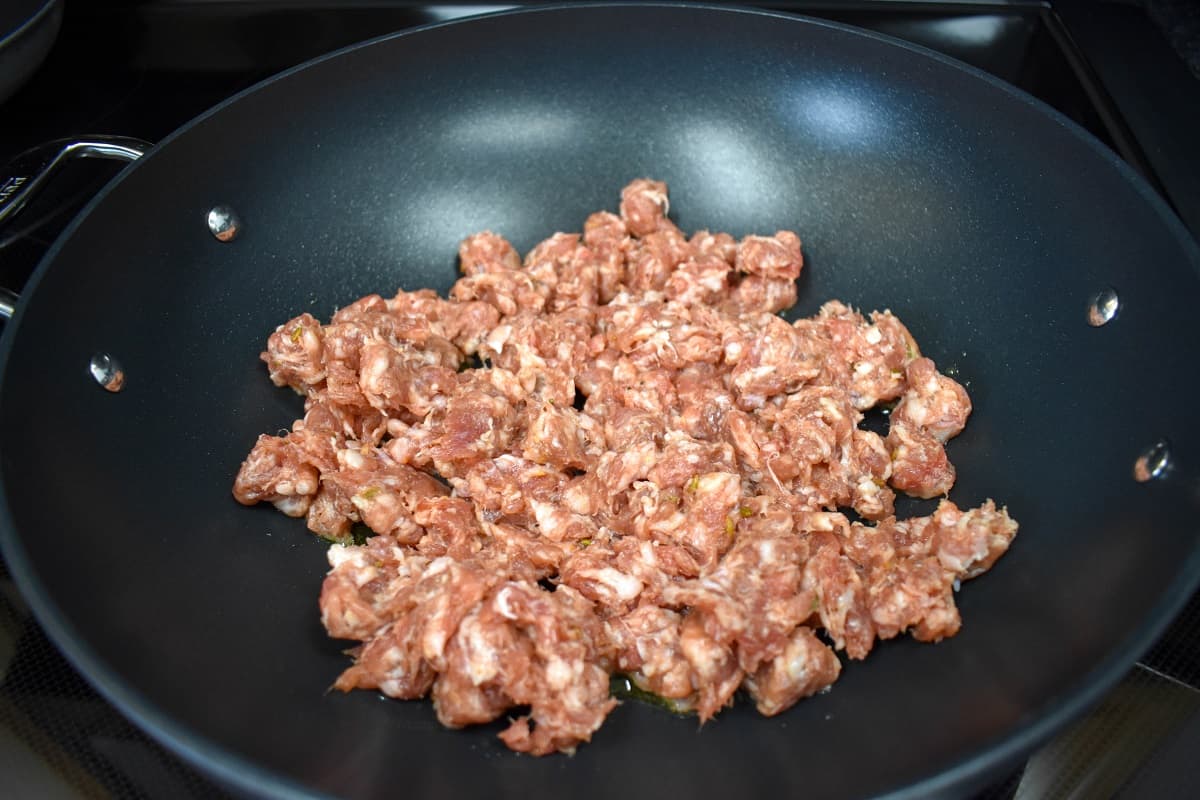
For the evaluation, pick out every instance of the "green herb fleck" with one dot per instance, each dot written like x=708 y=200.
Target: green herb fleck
x=745 y=511
x=816 y=604
x=729 y=526
x=358 y=534
x=297 y=333
x=370 y=493
x=585 y=542
x=694 y=483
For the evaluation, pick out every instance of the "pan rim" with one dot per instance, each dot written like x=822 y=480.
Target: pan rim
x=46 y=7
x=235 y=770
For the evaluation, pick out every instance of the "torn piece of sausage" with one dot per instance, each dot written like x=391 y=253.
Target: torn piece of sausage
x=933 y=402
x=775 y=256
x=486 y=252
x=920 y=466
x=295 y=354
x=805 y=667
x=277 y=472
x=553 y=662
x=644 y=206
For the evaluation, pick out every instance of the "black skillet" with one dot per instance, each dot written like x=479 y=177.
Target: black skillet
x=27 y=32
x=983 y=219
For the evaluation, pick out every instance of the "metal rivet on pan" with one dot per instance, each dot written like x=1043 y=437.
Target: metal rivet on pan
x=107 y=372
x=1103 y=308
x=1153 y=463
x=224 y=223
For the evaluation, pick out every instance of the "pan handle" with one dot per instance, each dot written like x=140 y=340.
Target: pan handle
x=8 y=303
x=25 y=175
x=28 y=172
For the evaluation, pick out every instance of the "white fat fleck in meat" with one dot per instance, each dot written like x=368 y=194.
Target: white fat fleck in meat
x=547 y=515
x=483 y=663
x=917 y=410
x=752 y=400
x=707 y=657
x=294 y=506
x=831 y=408
x=580 y=499
x=373 y=370
x=761 y=372
x=661 y=199
x=766 y=550
x=338 y=555
x=624 y=587
x=433 y=643
x=667 y=525
x=499 y=337
x=798 y=665
x=559 y=673
x=503 y=603
x=646 y=647
x=438 y=566
x=713 y=281
x=646 y=551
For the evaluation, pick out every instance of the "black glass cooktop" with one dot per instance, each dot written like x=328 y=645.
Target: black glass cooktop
x=142 y=69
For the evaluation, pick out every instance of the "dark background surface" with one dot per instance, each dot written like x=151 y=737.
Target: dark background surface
x=143 y=69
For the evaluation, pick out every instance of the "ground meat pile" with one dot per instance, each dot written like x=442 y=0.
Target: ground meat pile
x=613 y=457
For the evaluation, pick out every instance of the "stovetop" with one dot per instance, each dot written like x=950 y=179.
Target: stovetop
x=1128 y=72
